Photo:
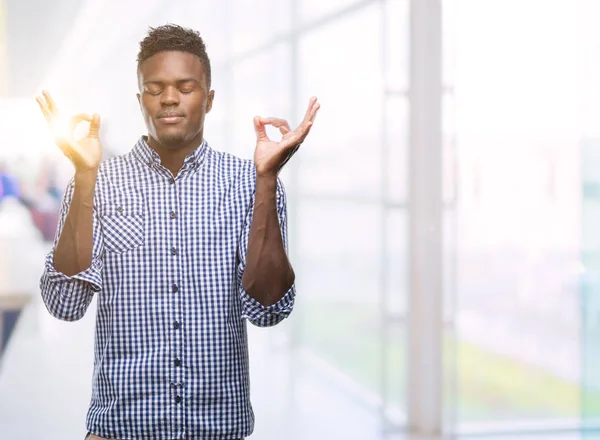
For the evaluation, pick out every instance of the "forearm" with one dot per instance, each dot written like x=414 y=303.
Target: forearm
x=73 y=253
x=268 y=274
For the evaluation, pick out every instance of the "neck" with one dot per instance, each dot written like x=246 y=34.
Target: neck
x=172 y=156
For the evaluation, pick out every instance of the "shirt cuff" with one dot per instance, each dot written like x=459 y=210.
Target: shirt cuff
x=255 y=311
x=91 y=276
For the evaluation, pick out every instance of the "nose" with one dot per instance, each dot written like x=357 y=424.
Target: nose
x=170 y=97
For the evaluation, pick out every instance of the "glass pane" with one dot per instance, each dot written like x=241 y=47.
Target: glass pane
x=518 y=251
x=449 y=341
x=396 y=248
x=449 y=151
x=395 y=308
x=397 y=39
x=211 y=20
x=343 y=156
x=590 y=271
x=396 y=114
x=590 y=284
x=261 y=86
x=449 y=40
x=518 y=214
x=449 y=347
x=341 y=314
x=395 y=385
x=311 y=10
x=254 y=22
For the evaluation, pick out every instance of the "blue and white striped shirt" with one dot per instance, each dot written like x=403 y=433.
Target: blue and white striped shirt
x=171 y=352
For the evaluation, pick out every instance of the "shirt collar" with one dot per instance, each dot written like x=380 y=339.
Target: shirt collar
x=146 y=154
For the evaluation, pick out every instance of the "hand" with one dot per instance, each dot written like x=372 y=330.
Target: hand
x=85 y=153
x=271 y=156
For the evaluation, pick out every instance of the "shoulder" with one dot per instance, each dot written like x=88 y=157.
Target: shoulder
x=227 y=163
x=119 y=166
x=231 y=170
x=239 y=174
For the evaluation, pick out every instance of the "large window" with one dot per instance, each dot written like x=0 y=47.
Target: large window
x=519 y=215
x=353 y=255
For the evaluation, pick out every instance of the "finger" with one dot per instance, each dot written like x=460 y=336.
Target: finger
x=292 y=141
x=308 y=126
x=95 y=126
x=310 y=116
x=312 y=113
x=300 y=133
x=282 y=124
x=40 y=102
x=82 y=117
x=44 y=109
x=276 y=122
x=51 y=104
x=311 y=108
x=74 y=120
x=259 y=128
x=316 y=108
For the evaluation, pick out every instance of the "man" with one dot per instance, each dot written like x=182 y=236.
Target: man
x=182 y=244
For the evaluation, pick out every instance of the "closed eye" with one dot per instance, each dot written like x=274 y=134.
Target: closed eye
x=154 y=92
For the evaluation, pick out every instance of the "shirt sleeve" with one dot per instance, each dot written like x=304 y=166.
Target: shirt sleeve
x=68 y=297
x=254 y=311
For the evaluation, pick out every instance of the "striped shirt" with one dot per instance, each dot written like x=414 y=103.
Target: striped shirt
x=171 y=351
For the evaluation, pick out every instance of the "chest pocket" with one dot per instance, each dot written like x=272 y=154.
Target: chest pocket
x=123 y=224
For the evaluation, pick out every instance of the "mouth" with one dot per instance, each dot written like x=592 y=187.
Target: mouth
x=170 y=118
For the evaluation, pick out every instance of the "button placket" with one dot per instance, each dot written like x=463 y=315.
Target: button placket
x=177 y=371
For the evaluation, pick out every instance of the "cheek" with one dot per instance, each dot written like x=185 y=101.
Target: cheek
x=146 y=106
x=200 y=106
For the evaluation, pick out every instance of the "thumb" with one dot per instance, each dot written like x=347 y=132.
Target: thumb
x=259 y=128
x=95 y=126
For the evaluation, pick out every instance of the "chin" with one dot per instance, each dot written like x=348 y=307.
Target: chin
x=171 y=139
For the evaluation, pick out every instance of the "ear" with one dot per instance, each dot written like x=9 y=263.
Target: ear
x=209 y=100
x=139 y=98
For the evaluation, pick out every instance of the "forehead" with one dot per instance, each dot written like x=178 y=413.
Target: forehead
x=171 y=66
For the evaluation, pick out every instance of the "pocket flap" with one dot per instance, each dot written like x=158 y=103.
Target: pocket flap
x=123 y=207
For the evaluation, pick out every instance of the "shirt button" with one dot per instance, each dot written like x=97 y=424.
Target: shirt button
x=176 y=325
x=172 y=214
x=178 y=362
x=175 y=288
x=173 y=250
x=178 y=399
x=171 y=181
x=120 y=209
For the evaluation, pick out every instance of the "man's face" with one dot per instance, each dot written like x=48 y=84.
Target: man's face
x=174 y=97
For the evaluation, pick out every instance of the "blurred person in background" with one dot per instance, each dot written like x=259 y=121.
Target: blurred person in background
x=183 y=244
x=9 y=185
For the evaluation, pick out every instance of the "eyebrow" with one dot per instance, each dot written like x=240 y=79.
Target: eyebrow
x=179 y=81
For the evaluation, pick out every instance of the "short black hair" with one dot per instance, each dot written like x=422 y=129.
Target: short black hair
x=174 y=37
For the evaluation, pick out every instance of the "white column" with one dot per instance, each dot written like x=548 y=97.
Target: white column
x=425 y=400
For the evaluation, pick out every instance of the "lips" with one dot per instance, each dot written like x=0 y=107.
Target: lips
x=170 y=118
